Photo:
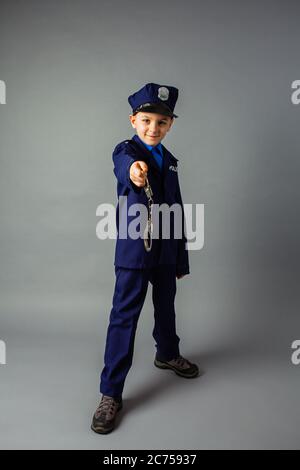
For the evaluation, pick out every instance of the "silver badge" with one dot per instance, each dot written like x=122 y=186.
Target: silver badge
x=163 y=93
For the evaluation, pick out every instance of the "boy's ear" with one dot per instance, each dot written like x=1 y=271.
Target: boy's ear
x=132 y=120
x=171 y=123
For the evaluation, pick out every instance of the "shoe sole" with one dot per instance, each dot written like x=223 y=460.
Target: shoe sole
x=163 y=365
x=101 y=430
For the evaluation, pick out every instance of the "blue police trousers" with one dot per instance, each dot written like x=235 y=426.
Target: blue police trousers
x=129 y=295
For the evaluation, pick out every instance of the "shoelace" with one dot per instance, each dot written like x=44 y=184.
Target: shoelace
x=107 y=404
x=181 y=361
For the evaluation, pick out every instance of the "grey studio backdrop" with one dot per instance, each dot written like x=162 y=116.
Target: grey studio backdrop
x=69 y=67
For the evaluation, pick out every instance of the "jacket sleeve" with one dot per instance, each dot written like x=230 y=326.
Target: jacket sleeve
x=182 y=263
x=123 y=159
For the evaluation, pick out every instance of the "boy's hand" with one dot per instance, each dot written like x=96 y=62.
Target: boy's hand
x=179 y=277
x=138 y=172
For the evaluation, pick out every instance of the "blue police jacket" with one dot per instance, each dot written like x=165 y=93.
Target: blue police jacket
x=130 y=253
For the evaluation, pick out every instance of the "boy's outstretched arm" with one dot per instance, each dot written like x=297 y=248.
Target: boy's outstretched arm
x=123 y=160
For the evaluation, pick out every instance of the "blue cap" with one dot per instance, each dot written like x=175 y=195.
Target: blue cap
x=154 y=98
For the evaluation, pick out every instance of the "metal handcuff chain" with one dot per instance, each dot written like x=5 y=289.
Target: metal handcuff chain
x=149 y=227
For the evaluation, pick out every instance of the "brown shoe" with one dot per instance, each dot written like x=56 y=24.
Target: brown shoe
x=105 y=415
x=179 y=365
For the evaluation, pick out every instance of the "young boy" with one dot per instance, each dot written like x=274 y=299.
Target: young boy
x=139 y=161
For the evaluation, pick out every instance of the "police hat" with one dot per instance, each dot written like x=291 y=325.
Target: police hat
x=154 y=98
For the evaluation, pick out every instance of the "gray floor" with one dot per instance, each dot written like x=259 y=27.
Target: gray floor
x=246 y=397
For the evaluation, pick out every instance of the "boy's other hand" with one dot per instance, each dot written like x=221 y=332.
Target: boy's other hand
x=138 y=173
x=180 y=277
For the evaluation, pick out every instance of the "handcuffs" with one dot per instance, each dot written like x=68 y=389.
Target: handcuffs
x=149 y=227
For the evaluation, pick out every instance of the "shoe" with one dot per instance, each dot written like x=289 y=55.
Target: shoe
x=105 y=415
x=179 y=365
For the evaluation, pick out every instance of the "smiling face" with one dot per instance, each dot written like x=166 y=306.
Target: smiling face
x=151 y=127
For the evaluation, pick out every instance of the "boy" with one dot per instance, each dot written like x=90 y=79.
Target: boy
x=139 y=161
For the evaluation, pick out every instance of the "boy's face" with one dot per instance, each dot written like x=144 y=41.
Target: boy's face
x=151 y=127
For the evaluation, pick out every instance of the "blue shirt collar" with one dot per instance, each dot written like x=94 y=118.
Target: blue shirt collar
x=150 y=147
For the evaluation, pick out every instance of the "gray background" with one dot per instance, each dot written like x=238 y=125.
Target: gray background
x=69 y=67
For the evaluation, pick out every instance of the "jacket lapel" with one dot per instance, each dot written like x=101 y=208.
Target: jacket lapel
x=168 y=174
x=146 y=153
x=168 y=158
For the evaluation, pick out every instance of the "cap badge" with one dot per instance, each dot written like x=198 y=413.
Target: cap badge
x=163 y=93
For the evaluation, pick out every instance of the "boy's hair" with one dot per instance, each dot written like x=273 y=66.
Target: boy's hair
x=136 y=112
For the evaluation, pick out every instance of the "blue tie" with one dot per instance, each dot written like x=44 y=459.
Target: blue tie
x=158 y=157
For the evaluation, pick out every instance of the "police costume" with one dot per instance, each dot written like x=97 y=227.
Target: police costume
x=134 y=265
